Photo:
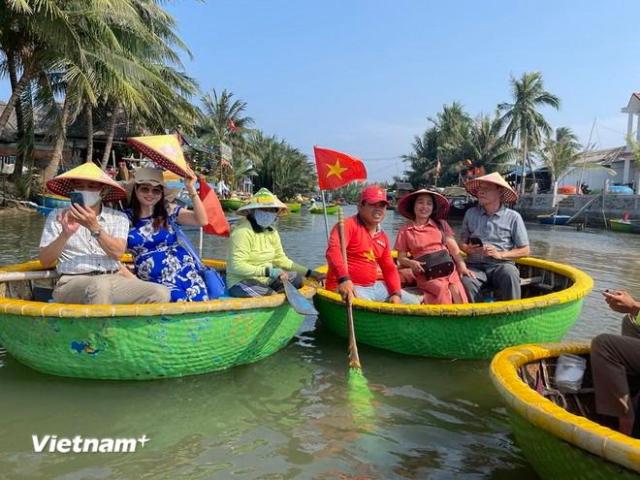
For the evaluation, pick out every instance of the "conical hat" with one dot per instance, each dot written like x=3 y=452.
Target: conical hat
x=63 y=183
x=405 y=204
x=508 y=194
x=164 y=150
x=263 y=198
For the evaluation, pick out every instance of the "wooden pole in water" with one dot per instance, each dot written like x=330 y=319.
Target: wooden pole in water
x=324 y=212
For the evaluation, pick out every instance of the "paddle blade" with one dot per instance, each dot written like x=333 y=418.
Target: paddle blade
x=299 y=302
x=360 y=397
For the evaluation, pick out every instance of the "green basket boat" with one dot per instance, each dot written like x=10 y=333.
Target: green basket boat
x=231 y=203
x=559 y=441
x=553 y=300
x=294 y=207
x=331 y=210
x=628 y=226
x=145 y=341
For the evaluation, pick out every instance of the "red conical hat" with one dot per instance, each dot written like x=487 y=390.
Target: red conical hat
x=63 y=183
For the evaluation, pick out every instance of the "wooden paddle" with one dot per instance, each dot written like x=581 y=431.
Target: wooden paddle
x=299 y=302
x=354 y=358
x=31 y=275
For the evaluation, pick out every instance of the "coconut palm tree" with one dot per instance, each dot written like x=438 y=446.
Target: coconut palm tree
x=559 y=153
x=525 y=125
x=488 y=148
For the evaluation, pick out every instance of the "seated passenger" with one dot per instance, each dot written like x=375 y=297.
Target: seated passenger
x=158 y=256
x=87 y=240
x=615 y=364
x=435 y=274
x=493 y=236
x=367 y=249
x=257 y=264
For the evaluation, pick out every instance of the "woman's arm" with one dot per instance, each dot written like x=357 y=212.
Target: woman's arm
x=197 y=216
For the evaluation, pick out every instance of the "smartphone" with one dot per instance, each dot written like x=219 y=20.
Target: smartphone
x=77 y=198
x=475 y=241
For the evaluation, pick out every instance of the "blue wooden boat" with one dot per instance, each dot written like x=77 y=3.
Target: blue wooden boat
x=553 y=219
x=50 y=200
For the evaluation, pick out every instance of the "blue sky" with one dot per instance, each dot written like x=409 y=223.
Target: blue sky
x=364 y=76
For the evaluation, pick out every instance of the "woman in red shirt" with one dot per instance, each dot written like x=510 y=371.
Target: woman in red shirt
x=427 y=233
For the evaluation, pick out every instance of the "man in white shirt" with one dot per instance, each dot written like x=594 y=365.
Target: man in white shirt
x=87 y=240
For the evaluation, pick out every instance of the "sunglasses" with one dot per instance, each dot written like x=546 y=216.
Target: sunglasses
x=154 y=190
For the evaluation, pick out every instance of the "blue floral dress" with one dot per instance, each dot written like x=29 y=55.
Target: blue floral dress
x=159 y=257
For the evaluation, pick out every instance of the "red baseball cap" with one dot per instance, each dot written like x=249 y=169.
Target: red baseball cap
x=374 y=194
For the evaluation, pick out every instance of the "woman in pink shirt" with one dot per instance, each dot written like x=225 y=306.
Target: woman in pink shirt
x=435 y=274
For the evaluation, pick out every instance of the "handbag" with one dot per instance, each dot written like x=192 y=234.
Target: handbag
x=437 y=264
x=212 y=279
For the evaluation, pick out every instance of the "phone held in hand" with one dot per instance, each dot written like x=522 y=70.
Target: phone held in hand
x=77 y=198
x=475 y=241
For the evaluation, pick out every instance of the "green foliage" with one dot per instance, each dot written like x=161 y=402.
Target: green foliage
x=560 y=153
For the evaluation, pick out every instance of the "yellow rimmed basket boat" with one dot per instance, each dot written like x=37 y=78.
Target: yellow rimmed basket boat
x=556 y=431
x=294 y=207
x=144 y=341
x=553 y=296
x=331 y=210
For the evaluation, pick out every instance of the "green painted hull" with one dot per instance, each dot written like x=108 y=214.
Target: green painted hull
x=231 y=203
x=440 y=335
x=294 y=207
x=554 y=458
x=332 y=210
x=624 y=227
x=147 y=347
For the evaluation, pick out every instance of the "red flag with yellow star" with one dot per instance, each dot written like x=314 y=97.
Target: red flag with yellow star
x=336 y=169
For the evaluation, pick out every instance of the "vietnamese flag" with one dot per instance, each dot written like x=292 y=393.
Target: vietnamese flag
x=336 y=169
x=218 y=224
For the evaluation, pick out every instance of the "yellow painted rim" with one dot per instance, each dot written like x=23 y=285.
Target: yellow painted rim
x=582 y=285
x=41 y=309
x=546 y=415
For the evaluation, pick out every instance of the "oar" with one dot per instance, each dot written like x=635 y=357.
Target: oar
x=354 y=358
x=31 y=275
x=299 y=302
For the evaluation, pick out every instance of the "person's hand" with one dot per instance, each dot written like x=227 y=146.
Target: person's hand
x=346 y=291
x=492 y=251
x=85 y=216
x=472 y=249
x=190 y=180
x=416 y=267
x=620 y=301
x=68 y=223
x=317 y=276
x=395 y=298
x=275 y=272
x=464 y=271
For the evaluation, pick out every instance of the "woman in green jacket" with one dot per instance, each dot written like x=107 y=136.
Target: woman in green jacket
x=257 y=263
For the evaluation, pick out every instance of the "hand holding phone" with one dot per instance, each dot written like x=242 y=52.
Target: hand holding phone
x=77 y=198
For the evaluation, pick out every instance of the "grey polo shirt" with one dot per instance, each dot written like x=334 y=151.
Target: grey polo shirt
x=504 y=229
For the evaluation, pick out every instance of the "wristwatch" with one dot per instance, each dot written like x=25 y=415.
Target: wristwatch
x=97 y=233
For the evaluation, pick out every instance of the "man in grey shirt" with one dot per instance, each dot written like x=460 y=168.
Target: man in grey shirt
x=493 y=236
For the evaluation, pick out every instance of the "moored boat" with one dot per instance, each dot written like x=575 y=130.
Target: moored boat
x=294 y=207
x=144 y=341
x=51 y=200
x=558 y=432
x=231 y=203
x=331 y=210
x=625 y=226
x=553 y=296
x=553 y=219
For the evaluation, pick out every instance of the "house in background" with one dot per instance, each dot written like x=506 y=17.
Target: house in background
x=620 y=160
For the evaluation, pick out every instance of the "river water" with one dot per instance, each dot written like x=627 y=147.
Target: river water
x=287 y=416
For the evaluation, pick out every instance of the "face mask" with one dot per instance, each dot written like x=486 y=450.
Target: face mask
x=89 y=197
x=265 y=219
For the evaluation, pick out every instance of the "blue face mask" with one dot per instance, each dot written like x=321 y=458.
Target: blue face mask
x=265 y=219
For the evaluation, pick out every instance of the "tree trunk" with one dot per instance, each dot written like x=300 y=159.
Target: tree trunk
x=52 y=168
x=89 y=113
x=13 y=78
x=15 y=94
x=524 y=164
x=112 y=131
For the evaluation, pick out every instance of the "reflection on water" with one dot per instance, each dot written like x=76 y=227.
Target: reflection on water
x=288 y=416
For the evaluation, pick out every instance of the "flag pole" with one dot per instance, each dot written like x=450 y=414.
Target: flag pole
x=324 y=211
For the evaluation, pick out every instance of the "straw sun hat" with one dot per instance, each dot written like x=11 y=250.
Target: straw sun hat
x=164 y=150
x=507 y=194
x=406 y=203
x=63 y=184
x=263 y=198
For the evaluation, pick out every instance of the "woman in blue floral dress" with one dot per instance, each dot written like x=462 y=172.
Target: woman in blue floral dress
x=157 y=254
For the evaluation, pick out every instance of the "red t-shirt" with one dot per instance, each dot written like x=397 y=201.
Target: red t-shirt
x=365 y=252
